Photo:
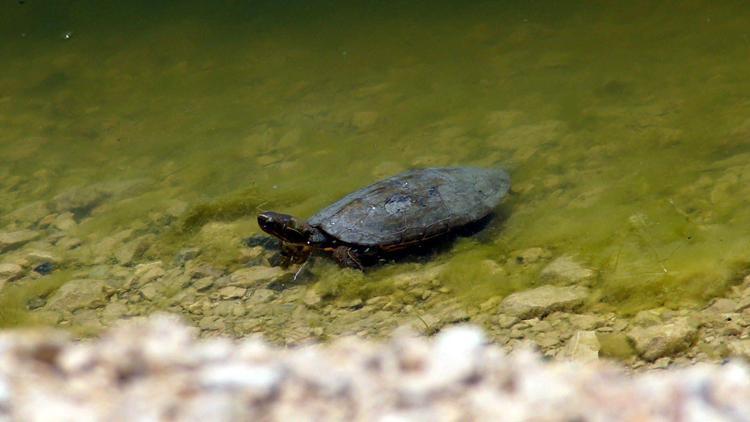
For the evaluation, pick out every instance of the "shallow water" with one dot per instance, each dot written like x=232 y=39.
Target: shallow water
x=625 y=129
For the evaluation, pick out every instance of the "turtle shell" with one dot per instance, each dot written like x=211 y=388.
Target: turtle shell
x=414 y=205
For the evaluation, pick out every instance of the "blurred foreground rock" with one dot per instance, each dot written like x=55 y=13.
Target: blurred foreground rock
x=157 y=370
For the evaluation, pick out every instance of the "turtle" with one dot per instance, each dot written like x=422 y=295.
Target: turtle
x=392 y=215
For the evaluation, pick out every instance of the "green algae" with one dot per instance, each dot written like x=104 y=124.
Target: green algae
x=14 y=298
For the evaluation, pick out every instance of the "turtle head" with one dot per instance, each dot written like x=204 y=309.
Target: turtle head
x=285 y=227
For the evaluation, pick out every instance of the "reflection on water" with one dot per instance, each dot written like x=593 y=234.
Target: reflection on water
x=128 y=130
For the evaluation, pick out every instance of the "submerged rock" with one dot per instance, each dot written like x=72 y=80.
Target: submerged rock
x=542 y=301
x=564 y=269
x=79 y=294
x=660 y=340
x=583 y=346
x=14 y=239
x=10 y=271
x=250 y=277
x=30 y=213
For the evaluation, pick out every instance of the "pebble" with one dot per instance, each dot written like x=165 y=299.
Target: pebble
x=530 y=255
x=660 y=340
x=583 y=346
x=312 y=298
x=44 y=268
x=564 y=269
x=64 y=222
x=14 y=239
x=252 y=276
x=79 y=293
x=542 y=301
x=261 y=296
x=149 y=292
x=10 y=271
x=146 y=273
x=232 y=292
x=42 y=257
x=203 y=284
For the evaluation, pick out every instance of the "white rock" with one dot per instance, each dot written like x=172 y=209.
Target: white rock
x=583 y=346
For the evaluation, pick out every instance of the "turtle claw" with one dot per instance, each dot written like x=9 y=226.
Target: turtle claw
x=347 y=257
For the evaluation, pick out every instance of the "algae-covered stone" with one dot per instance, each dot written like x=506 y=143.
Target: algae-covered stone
x=543 y=300
x=79 y=294
x=14 y=239
x=660 y=340
x=203 y=283
x=312 y=298
x=10 y=271
x=232 y=292
x=64 y=221
x=529 y=256
x=146 y=273
x=36 y=257
x=249 y=277
x=30 y=213
x=565 y=269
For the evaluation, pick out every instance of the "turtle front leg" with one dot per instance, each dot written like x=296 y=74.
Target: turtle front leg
x=291 y=254
x=347 y=257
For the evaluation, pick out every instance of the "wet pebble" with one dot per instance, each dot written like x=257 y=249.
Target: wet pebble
x=44 y=268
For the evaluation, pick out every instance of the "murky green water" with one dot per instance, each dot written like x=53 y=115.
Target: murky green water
x=626 y=129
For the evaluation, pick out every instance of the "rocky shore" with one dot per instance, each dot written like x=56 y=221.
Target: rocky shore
x=157 y=369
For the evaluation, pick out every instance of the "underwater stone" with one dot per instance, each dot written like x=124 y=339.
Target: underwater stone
x=42 y=257
x=740 y=348
x=44 y=268
x=249 y=277
x=542 y=301
x=203 y=283
x=232 y=292
x=10 y=271
x=78 y=294
x=149 y=292
x=665 y=339
x=530 y=255
x=114 y=311
x=30 y=213
x=565 y=269
x=583 y=346
x=146 y=273
x=261 y=296
x=312 y=298
x=14 y=239
x=126 y=253
x=64 y=221
x=186 y=255
x=723 y=306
